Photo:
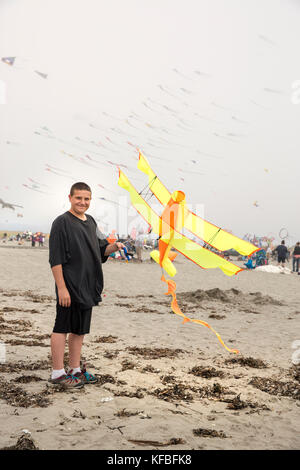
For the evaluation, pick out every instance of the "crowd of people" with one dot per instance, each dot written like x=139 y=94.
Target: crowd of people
x=134 y=247
x=37 y=238
x=281 y=253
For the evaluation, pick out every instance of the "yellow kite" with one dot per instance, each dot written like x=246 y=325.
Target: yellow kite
x=168 y=227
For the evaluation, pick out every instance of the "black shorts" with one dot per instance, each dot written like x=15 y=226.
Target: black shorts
x=73 y=319
x=281 y=259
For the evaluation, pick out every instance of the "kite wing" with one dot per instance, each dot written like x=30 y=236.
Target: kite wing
x=209 y=233
x=192 y=250
x=139 y=204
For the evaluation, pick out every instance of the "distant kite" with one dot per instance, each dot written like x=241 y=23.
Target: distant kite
x=33 y=188
x=272 y=90
x=9 y=205
x=41 y=74
x=8 y=60
x=267 y=40
x=181 y=74
x=203 y=74
x=186 y=91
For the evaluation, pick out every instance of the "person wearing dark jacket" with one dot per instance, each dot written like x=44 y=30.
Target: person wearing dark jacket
x=282 y=253
x=296 y=257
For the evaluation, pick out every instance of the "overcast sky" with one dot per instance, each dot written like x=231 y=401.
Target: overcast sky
x=209 y=90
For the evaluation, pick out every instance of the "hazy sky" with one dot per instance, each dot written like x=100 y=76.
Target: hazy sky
x=209 y=90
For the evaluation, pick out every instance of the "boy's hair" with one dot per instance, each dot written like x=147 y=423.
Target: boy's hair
x=283 y=242
x=80 y=187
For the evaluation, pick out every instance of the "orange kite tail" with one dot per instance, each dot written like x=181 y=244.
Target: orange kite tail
x=175 y=307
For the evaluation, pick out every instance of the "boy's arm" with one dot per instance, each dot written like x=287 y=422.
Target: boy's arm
x=63 y=293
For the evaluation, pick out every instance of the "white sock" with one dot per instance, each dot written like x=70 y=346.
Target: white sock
x=57 y=373
x=75 y=370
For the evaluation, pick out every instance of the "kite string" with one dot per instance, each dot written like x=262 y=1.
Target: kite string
x=148 y=188
x=213 y=237
x=175 y=307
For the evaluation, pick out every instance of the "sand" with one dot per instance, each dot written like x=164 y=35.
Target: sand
x=163 y=385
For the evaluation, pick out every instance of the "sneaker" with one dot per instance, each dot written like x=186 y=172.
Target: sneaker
x=68 y=381
x=85 y=376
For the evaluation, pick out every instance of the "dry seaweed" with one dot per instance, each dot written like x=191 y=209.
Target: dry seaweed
x=155 y=353
x=214 y=391
x=21 y=366
x=150 y=368
x=276 y=387
x=171 y=442
x=16 y=309
x=201 y=432
x=23 y=443
x=295 y=373
x=168 y=379
x=174 y=392
x=145 y=310
x=16 y=396
x=127 y=365
x=137 y=394
x=19 y=342
x=105 y=378
x=126 y=414
x=106 y=339
x=237 y=404
x=206 y=372
x=247 y=361
x=25 y=379
x=110 y=354
x=119 y=304
x=78 y=414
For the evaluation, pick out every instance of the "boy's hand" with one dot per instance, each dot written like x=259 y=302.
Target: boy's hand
x=64 y=297
x=120 y=245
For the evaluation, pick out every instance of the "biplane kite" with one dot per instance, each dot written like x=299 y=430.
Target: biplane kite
x=175 y=216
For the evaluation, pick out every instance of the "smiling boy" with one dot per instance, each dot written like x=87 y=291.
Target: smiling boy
x=76 y=252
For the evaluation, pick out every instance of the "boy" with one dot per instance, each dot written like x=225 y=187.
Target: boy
x=76 y=252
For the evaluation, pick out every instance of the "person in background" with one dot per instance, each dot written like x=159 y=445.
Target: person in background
x=282 y=253
x=139 y=244
x=296 y=258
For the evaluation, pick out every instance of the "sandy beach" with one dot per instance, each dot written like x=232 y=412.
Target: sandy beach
x=162 y=384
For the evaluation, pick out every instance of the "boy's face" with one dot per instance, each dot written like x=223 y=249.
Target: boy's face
x=80 y=201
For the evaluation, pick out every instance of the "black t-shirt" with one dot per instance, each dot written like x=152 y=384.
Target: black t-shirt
x=282 y=251
x=79 y=247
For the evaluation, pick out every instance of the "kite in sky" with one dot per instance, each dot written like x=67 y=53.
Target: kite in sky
x=8 y=205
x=175 y=216
x=8 y=60
x=34 y=187
x=41 y=74
x=11 y=60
